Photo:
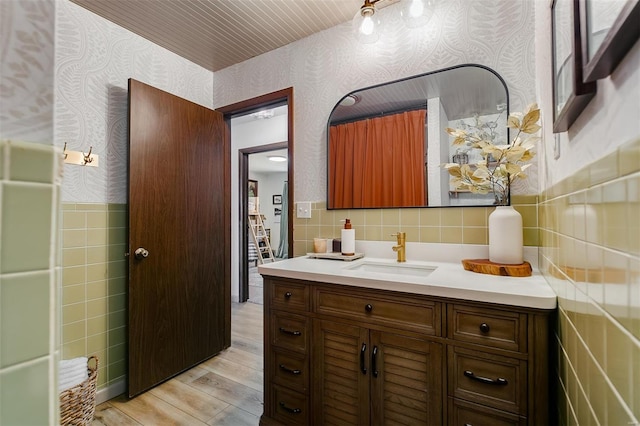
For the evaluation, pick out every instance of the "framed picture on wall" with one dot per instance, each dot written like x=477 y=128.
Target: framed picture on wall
x=253 y=188
x=609 y=30
x=570 y=94
x=277 y=211
x=277 y=199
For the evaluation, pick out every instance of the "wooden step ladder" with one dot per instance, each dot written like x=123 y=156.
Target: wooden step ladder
x=259 y=235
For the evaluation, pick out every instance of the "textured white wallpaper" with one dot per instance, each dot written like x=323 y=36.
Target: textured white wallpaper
x=26 y=70
x=94 y=60
x=325 y=66
x=609 y=120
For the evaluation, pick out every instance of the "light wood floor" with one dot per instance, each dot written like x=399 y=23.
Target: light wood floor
x=225 y=390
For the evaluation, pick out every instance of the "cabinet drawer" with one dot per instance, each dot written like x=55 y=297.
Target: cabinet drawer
x=497 y=381
x=291 y=370
x=287 y=295
x=489 y=327
x=396 y=311
x=462 y=413
x=290 y=331
x=289 y=407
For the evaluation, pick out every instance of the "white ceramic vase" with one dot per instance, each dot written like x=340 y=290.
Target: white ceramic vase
x=505 y=236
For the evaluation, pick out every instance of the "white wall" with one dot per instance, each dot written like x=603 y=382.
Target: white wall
x=610 y=120
x=26 y=70
x=94 y=60
x=437 y=151
x=325 y=66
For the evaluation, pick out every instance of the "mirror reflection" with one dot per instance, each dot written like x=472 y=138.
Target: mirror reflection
x=386 y=143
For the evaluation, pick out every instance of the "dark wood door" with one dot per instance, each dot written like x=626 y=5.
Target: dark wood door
x=179 y=302
x=406 y=380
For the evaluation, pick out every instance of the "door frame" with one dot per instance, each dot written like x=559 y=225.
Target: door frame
x=284 y=96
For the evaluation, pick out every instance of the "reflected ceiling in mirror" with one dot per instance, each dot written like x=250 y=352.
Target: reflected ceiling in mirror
x=369 y=132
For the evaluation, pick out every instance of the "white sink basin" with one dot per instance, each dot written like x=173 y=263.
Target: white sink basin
x=393 y=268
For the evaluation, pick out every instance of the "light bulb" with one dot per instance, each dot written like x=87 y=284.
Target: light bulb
x=417 y=13
x=416 y=9
x=367 y=25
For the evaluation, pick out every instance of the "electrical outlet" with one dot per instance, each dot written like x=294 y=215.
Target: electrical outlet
x=304 y=210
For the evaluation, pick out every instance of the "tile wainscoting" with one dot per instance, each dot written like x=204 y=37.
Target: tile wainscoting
x=29 y=190
x=94 y=286
x=452 y=225
x=590 y=254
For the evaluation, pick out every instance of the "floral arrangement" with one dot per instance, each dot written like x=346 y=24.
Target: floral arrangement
x=500 y=164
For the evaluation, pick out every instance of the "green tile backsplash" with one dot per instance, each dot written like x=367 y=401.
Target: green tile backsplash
x=94 y=277
x=24 y=319
x=589 y=238
x=31 y=380
x=428 y=225
x=26 y=226
x=31 y=163
x=29 y=185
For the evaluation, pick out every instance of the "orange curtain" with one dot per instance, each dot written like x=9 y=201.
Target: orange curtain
x=378 y=162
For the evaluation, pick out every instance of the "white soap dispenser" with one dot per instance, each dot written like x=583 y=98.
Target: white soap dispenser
x=348 y=237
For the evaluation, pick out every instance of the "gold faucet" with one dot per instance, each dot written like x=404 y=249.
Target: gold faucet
x=400 y=248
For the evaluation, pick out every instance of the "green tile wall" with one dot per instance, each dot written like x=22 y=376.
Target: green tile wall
x=468 y=225
x=94 y=282
x=590 y=254
x=29 y=188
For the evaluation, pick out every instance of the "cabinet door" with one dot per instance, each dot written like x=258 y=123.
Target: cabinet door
x=341 y=364
x=406 y=380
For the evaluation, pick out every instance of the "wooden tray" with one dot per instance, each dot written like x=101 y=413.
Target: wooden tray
x=336 y=256
x=485 y=266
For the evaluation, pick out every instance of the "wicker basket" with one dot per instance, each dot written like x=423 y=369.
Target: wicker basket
x=78 y=404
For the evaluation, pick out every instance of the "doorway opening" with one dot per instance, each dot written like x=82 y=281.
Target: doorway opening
x=241 y=143
x=266 y=232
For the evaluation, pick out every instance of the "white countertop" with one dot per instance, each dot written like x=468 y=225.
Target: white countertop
x=449 y=280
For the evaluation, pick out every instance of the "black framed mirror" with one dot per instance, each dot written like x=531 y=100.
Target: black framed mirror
x=570 y=94
x=428 y=103
x=610 y=29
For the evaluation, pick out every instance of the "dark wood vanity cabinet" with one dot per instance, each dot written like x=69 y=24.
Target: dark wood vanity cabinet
x=373 y=358
x=346 y=355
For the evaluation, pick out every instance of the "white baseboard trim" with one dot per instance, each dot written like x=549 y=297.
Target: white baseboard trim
x=111 y=391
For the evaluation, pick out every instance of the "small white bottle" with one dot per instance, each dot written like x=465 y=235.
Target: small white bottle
x=348 y=237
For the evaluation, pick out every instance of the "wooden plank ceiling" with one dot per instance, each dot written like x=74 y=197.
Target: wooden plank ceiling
x=216 y=34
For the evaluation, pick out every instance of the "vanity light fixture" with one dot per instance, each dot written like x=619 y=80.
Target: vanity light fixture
x=277 y=158
x=367 y=24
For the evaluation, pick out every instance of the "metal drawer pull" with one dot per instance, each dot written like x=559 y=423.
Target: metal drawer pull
x=499 y=381
x=363 y=368
x=368 y=307
x=288 y=370
x=374 y=368
x=293 y=333
x=288 y=295
x=290 y=410
x=484 y=327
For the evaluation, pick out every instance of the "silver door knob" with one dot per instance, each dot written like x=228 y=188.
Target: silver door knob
x=141 y=253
